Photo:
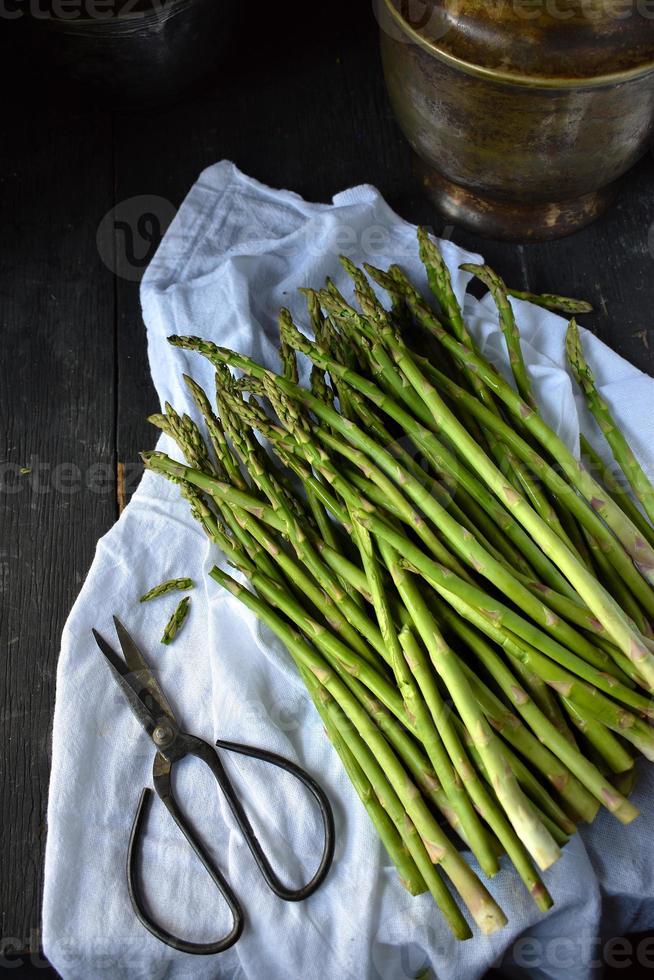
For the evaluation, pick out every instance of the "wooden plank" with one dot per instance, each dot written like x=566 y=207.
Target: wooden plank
x=57 y=406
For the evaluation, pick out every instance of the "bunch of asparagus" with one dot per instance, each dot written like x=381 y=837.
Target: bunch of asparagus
x=468 y=604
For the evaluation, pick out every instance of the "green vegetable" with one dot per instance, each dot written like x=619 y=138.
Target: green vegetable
x=622 y=451
x=176 y=621
x=172 y=585
x=469 y=608
x=558 y=304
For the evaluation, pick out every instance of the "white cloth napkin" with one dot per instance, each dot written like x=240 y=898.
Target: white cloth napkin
x=235 y=253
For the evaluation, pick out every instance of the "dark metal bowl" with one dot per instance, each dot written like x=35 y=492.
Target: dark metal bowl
x=522 y=125
x=142 y=51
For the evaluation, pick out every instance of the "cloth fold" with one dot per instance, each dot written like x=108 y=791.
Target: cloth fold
x=235 y=253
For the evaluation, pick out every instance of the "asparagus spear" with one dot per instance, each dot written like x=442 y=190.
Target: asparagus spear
x=601 y=412
x=557 y=304
x=176 y=621
x=509 y=328
x=172 y=585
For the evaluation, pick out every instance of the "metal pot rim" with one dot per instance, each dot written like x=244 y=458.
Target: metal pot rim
x=516 y=78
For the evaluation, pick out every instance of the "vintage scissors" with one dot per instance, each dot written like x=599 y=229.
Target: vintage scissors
x=151 y=707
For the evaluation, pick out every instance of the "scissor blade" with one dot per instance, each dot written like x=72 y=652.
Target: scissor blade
x=121 y=674
x=139 y=668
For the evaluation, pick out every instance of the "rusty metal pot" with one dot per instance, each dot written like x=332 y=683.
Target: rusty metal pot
x=524 y=114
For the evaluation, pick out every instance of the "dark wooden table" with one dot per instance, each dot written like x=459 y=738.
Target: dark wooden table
x=297 y=106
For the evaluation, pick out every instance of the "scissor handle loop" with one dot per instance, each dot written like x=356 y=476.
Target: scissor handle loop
x=241 y=817
x=136 y=898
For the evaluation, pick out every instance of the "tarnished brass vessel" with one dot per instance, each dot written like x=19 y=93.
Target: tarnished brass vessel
x=524 y=114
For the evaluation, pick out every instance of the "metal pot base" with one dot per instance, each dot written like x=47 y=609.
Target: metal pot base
x=511 y=220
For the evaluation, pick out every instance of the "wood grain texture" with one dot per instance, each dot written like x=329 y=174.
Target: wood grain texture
x=57 y=407
x=294 y=107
